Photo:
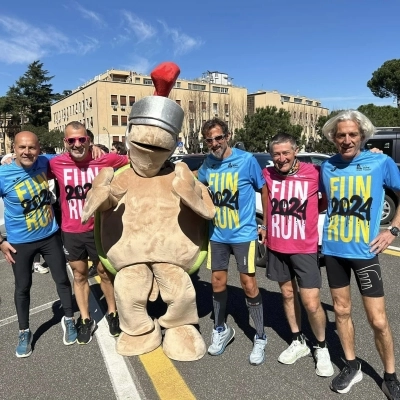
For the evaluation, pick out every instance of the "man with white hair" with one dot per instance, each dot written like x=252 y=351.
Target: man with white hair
x=354 y=182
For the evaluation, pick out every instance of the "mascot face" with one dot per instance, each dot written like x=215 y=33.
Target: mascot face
x=149 y=148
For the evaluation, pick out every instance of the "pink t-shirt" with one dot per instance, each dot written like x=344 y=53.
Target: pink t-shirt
x=292 y=212
x=75 y=180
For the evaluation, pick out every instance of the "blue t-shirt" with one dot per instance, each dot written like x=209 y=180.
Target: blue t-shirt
x=28 y=213
x=233 y=182
x=355 y=200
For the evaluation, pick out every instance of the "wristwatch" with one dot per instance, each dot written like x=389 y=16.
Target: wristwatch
x=394 y=231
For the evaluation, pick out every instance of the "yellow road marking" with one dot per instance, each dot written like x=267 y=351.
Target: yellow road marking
x=167 y=381
x=392 y=253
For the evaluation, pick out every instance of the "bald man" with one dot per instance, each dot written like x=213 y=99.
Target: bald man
x=32 y=229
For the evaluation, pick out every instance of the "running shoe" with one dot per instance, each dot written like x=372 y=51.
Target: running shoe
x=296 y=350
x=85 y=330
x=391 y=389
x=257 y=356
x=220 y=339
x=69 y=329
x=24 y=348
x=323 y=360
x=347 y=377
x=37 y=267
x=113 y=324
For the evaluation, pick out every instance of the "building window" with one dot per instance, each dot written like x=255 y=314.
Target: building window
x=137 y=80
x=147 y=81
x=318 y=104
x=224 y=90
x=122 y=100
x=177 y=85
x=132 y=100
x=124 y=120
x=309 y=102
x=191 y=106
x=91 y=122
x=285 y=99
x=215 y=108
x=178 y=102
x=203 y=106
x=297 y=100
x=123 y=139
x=114 y=100
x=226 y=109
x=216 y=89
x=191 y=125
x=195 y=86
x=114 y=120
x=115 y=138
x=301 y=115
x=294 y=114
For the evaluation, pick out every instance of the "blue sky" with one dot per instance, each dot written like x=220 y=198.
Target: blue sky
x=322 y=49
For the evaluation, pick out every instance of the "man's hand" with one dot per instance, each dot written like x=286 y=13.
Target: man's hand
x=97 y=152
x=7 y=250
x=381 y=242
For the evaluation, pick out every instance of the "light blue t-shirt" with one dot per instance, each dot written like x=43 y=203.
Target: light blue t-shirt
x=28 y=213
x=355 y=200
x=232 y=183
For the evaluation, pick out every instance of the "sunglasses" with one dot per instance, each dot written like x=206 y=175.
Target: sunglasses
x=216 y=138
x=80 y=139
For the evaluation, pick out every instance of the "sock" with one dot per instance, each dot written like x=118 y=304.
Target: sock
x=297 y=336
x=68 y=318
x=321 y=344
x=390 y=377
x=256 y=312
x=353 y=363
x=24 y=330
x=219 y=304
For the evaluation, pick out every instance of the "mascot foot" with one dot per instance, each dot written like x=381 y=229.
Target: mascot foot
x=128 y=345
x=184 y=343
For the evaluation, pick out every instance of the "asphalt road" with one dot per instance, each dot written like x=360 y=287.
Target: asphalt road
x=55 y=371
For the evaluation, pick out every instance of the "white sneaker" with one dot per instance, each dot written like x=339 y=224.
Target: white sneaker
x=323 y=359
x=37 y=267
x=296 y=350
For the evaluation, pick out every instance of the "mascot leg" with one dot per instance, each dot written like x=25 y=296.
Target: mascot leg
x=182 y=341
x=140 y=334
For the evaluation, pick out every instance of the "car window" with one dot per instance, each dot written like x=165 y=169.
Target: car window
x=194 y=163
x=302 y=158
x=264 y=159
x=317 y=160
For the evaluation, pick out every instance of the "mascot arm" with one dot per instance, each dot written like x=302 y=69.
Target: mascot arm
x=99 y=197
x=192 y=193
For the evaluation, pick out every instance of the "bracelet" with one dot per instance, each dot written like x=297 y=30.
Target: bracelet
x=263 y=227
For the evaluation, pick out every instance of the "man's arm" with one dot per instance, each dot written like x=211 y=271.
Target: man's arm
x=385 y=238
x=322 y=202
x=264 y=202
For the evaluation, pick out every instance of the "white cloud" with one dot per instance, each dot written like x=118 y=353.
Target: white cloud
x=141 y=29
x=23 y=43
x=139 y=64
x=91 y=15
x=183 y=43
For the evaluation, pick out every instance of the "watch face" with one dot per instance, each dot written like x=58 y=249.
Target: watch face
x=395 y=231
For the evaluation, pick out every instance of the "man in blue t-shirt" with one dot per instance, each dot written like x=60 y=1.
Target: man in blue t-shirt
x=233 y=176
x=354 y=180
x=32 y=229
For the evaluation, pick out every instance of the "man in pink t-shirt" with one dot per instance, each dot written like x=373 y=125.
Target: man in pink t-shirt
x=75 y=171
x=292 y=240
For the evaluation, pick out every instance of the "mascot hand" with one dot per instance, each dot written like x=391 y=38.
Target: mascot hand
x=99 y=197
x=192 y=193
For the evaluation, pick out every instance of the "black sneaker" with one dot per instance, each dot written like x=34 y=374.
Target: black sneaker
x=86 y=329
x=92 y=271
x=391 y=389
x=347 y=377
x=113 y=324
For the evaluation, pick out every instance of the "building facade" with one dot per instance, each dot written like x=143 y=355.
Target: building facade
x=303 y=110
x=103 y=105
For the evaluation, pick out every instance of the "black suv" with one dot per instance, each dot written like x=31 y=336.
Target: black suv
x=388 y=140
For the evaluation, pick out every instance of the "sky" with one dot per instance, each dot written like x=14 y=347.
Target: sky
x=324 y=50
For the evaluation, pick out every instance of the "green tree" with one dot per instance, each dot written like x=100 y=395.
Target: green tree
x=323 y=145
x=265 y=123
x=47 y=138
x=385 y=81
x=31 y=96
x=381 y=115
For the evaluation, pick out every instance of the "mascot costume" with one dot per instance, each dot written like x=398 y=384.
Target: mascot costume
x=151 y=222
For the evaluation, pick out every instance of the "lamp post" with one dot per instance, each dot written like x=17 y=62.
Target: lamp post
x=208 y=76
x=2 y=137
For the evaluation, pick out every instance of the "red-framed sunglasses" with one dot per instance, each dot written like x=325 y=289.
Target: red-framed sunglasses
x=81 y=139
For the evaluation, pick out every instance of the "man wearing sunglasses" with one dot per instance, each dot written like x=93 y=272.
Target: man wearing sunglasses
x=75 y=171
x=233 y=176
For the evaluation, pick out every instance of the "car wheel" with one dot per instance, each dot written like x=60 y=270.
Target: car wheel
x=388 y=210
x=262 y=251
